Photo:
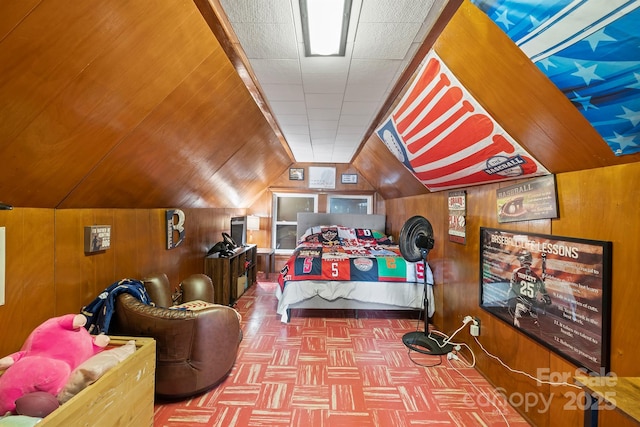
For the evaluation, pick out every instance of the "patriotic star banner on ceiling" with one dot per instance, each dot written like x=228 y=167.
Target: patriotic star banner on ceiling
x=447 y=139
x=590 y=49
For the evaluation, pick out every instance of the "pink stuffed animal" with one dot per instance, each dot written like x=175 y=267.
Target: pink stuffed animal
x=50 y=353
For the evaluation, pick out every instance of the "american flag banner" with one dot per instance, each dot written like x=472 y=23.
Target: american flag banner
x=447 y=139
x=590 y=49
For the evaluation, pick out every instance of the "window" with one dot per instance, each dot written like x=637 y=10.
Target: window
x=350 y=204
x=285 y=211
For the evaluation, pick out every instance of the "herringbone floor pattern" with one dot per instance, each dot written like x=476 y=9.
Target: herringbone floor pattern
x=337 y=370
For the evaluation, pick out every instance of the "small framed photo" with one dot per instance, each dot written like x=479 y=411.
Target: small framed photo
x=349 y=178
x=296 y=174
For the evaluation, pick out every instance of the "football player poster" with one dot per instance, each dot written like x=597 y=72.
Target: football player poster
x=554 y=289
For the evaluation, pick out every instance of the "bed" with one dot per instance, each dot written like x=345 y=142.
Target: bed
x=345 y=261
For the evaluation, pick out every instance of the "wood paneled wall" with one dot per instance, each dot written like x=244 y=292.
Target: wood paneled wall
x=48 y=274
x=598 y=204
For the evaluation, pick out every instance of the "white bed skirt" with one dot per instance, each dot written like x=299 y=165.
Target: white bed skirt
x=352 y=295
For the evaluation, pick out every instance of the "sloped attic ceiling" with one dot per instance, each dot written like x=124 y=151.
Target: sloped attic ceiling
x=141 y=105
x=126 y=104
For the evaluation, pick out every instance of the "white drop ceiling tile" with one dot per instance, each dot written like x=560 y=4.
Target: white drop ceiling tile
x=366 y=93
x=304 y=156
x=323 y=100
x=322 y=144
x=283 y=92
x=324 y=64
x=347 y=143
x=373 y=70
x=411 y=52
x=323 y=124
x=395 y=10
x=293 y=129
x=287 y=107
x=299 y=140
x=432 y=17
x=352 y=121
x=342 y=155
x=293 y=119
x=350 y=108
x=257 y=11
x=324 y=83
x=351 y=130
x=267 y=40
x=328 y=134
x=277 y=71
x=343 y=136
x=332 y=114
x=329 y=98
x=384 y=40
x=323 y=154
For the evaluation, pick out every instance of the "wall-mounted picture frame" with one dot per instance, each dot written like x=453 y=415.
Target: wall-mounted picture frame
x=349 y=178
x=533 y=199
x=322 y=177
x=97 y=238
x=296 y=174
x=556 y=290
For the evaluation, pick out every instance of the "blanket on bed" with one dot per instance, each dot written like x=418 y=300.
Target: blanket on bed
x=338 y=253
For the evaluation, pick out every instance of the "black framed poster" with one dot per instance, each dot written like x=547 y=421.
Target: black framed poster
x=556 y=290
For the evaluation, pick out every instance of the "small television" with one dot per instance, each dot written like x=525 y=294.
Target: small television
x=239 y=230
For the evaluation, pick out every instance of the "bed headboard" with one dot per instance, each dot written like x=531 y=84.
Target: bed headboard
x=307 y=219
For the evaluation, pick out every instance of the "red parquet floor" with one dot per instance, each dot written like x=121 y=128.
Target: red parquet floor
x=337 y=370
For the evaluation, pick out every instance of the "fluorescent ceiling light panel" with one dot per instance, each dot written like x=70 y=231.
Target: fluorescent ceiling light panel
x=324 y=26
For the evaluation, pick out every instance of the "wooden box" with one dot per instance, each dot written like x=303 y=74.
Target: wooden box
x=122 y=397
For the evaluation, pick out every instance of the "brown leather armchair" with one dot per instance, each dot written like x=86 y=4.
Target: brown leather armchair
x=195 y=349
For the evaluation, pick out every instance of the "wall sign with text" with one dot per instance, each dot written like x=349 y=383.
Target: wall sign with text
x=457 y=204
x=556 y=290
x=532 y=199
x=97 y=238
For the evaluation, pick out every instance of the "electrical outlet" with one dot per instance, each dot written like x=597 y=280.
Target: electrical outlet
x=475 y=327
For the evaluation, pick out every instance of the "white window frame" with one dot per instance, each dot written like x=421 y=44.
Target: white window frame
x=275 y=223
x=351 y=196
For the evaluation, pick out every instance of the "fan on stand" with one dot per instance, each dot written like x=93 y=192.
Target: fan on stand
x=416 y=240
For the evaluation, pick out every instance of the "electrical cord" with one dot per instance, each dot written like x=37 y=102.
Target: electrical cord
x=478 y=390
x=526 y=374
x=517 y=371
x=422 y=365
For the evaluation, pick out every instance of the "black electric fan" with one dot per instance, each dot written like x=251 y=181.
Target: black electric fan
x=416 y=240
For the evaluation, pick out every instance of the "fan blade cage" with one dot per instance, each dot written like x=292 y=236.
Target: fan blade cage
x=412 y=230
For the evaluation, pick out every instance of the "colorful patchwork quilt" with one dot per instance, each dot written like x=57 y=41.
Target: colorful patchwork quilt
x=337 y=253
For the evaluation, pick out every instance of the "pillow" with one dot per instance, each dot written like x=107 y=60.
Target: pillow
x=93 y=368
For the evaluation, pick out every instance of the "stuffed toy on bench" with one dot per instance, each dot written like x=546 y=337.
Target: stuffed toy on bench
x=49 y=354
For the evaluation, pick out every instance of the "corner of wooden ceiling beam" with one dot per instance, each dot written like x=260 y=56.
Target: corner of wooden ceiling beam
x=216 y=19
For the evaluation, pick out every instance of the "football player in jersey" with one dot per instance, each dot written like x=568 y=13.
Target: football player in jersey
x=528 y=288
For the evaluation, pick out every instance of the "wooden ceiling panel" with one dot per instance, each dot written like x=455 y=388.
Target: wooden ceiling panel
x=121 y=104
x=185 y=147
x=385 y=172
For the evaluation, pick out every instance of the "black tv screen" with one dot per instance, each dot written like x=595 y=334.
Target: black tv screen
x=239 y=230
